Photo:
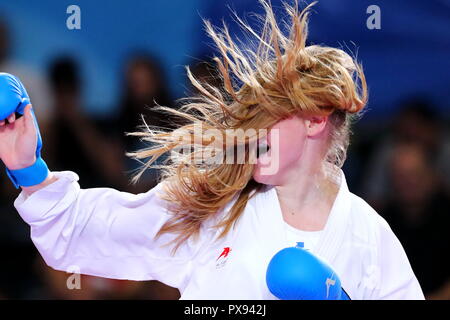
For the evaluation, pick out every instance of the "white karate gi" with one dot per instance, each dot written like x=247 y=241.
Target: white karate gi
x=107 y=233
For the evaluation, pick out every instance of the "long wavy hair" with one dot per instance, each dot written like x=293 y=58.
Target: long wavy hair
x=279 y=78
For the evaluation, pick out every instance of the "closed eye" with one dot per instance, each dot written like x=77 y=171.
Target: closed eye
x=262 y=148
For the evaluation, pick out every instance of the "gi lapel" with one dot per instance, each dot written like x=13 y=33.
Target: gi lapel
x=337 y=224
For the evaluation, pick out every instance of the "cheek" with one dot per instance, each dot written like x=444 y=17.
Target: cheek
x=284 y=155
x=289 y=150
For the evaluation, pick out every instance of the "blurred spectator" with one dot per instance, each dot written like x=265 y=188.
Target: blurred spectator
x=416 y=122
x=205 y=71
x=418 y=210
x=144 y=87
x=36 y=84
x=75 y=142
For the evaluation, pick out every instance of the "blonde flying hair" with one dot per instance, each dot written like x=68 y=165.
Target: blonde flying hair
x=279 y=78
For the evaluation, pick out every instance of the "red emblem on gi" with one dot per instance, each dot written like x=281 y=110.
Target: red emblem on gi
x=223 y=258
x=224 y=253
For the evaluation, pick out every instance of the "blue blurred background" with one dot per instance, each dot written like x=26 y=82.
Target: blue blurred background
x=409 y=54
x=128 y=53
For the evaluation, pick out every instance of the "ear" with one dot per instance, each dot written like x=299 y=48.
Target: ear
x=315 y=125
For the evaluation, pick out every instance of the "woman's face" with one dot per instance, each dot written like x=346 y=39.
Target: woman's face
x=286 y=140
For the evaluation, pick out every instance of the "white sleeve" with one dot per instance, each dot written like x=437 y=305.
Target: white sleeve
x=397 y=279
x=104 y=232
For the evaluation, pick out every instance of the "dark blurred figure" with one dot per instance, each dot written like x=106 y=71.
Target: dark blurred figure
x=205 y=71
x=76 y=142
x=416 y=122
x=144 y=87
x=418 y=210
x=4 y=40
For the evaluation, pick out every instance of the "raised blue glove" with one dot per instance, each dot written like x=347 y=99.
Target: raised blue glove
x=296 y=274
x=14 y=98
